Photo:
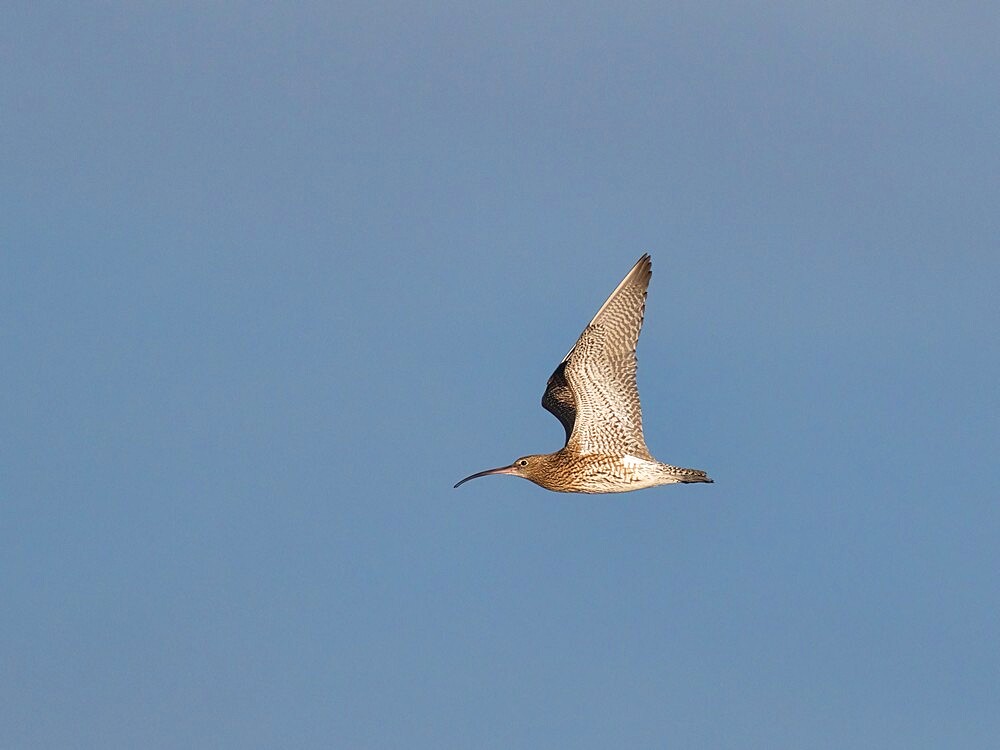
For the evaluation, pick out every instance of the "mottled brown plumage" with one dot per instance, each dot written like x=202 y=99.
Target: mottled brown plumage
x=593 y=394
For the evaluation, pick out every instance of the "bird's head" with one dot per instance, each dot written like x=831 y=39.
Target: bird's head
x=529 y=467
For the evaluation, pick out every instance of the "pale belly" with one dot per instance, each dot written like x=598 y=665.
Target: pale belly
x=600 y=474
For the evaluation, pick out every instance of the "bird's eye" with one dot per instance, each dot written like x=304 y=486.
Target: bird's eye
x=522 y=462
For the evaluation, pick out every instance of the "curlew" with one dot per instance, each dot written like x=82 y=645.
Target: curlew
x=593 y=394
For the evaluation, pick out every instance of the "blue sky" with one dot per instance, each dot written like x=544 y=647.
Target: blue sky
x=275 y=276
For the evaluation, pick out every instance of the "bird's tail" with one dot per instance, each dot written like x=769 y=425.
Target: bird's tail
x=687 y=476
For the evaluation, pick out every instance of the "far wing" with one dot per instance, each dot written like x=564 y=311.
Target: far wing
x=558 y=399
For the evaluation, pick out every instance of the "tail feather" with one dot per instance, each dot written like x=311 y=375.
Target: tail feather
x=689 y=476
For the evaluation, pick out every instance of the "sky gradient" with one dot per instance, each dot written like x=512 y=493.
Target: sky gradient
x=273 y=277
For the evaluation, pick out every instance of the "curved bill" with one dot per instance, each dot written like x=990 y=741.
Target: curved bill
x=501 y=470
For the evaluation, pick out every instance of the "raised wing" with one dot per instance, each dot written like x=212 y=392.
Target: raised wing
x=593 y=390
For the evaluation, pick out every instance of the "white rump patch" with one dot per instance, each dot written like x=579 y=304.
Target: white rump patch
x=633 y=461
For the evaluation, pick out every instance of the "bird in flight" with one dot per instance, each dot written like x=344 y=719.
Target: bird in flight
x=593 y=394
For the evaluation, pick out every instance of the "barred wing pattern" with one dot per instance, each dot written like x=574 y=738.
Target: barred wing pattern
x=593 y=391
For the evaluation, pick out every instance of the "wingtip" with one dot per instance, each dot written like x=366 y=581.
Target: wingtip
x=640 y=273
x=643 y=266
x=642 y=269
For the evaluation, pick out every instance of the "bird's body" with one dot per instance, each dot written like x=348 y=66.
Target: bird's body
x=564 y=471
x=593 y=394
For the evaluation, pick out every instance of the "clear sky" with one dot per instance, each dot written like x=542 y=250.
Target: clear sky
x=274 y=276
